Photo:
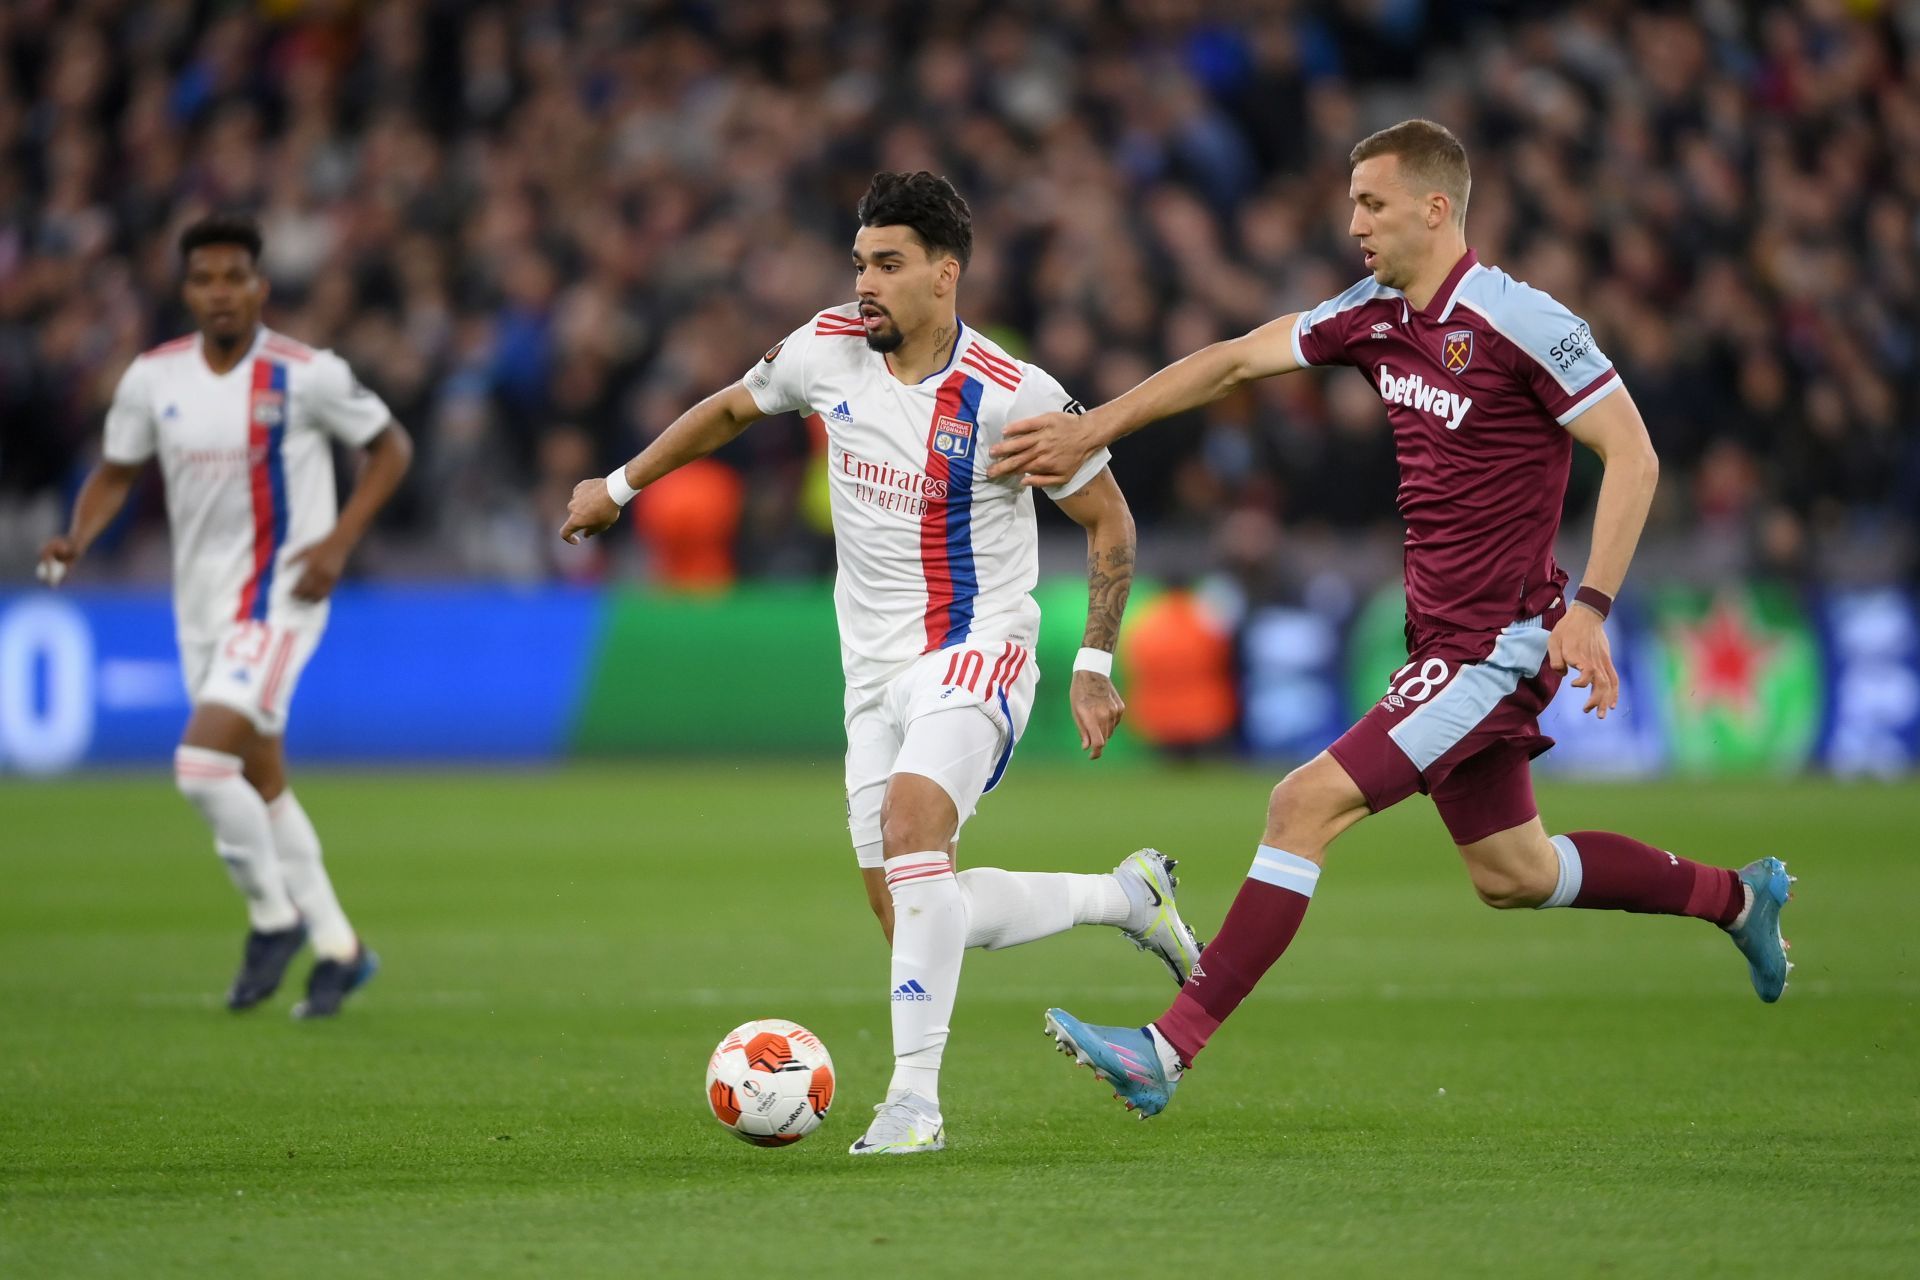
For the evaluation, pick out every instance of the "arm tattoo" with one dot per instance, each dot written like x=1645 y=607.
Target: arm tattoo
x=1109 y=580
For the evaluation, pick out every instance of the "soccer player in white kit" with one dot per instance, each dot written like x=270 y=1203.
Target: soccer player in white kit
x=243 y=421
x=937 y=622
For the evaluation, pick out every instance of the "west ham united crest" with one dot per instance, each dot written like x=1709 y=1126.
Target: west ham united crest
x=1456 y=350
x=952 y=438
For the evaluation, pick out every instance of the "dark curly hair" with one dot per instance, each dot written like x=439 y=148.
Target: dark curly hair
x=924 y=203
x=222 y=228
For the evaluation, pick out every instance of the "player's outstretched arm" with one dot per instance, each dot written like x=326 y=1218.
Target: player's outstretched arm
x=694 y=434
x=1101 y=509
x=1613 y=429
x=383 y=464
x=100 y=500
x=1046 y=449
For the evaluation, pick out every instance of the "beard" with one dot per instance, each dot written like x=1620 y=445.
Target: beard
x=886 y=340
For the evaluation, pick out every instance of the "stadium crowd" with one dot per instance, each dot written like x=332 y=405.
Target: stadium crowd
x=541 y=229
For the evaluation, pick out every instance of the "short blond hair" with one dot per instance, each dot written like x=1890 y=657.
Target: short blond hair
x=1430 y=156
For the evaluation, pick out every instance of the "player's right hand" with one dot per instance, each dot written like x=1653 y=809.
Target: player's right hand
x=57 y=555
x=1045 y=449
x=591 y=511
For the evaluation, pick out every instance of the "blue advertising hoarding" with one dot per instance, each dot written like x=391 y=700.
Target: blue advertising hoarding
x=424 y=673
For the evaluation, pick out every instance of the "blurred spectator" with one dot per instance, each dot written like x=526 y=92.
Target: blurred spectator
x=1178 y=661
x=688 y=522
x=540 y=229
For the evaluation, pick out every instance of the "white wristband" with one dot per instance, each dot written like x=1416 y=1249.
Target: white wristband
x=617 y=487
x=1098 y=661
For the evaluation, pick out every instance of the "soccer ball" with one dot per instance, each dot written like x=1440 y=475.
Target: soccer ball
x=770 y=1082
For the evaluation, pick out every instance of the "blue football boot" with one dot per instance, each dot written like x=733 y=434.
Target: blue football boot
x=1125 y=1057
x=1758 y=936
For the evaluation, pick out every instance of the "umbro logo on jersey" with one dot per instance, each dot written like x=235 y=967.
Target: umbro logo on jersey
x=841 y=413
x=1416 y=392
x=911 y=990
x=1382 y=329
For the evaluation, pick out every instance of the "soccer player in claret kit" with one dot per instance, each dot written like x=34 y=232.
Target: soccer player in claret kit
x=1487 y=383
x=244 y=420
x=937 y=621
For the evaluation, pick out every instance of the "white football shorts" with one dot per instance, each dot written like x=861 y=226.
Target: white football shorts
x=953 y=716
x=253 y=668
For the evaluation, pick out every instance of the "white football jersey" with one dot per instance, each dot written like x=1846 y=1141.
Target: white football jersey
x=248 y=465
x=932 y=553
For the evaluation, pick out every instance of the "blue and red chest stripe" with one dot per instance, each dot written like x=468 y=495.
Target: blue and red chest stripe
x=946 y=529
x=267 y=477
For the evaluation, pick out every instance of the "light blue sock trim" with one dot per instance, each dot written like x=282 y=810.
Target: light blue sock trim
x=1284 y=870
x=1568 y=887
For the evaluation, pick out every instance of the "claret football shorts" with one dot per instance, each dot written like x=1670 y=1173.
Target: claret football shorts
x=954 y=716
x=1462 y=732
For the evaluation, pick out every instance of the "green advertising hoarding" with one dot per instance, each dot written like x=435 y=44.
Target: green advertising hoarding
x=1739 y=679
x=757 y=670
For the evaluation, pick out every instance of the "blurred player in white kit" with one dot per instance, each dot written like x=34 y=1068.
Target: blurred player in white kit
x=243 y=420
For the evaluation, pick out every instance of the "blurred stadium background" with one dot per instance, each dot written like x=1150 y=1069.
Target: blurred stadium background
x=541 y=229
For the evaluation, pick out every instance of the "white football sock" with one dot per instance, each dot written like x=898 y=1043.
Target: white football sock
x=1163 y=1050
x=1007 y=908
x=298 y=846
x=242 y=834
x=929 y=939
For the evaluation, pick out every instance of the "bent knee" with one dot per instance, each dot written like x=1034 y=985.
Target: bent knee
x=1303 y=814
x=1291 y=797
x=1511 y=891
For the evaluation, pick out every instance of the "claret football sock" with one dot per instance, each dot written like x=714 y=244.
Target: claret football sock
x=1260 y=925
x=242 y=834
x=929 y=940
x=1602 y=871
x=1007 y=908
x=298 y=847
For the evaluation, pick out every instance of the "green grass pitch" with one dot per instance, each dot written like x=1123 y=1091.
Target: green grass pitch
x=1422 y=1087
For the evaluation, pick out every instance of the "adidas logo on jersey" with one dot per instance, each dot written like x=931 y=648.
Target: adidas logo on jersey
x=911 y=990
x=1416 y=392
x=841 y=413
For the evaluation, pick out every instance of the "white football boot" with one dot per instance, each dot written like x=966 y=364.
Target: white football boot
x=1156 y=926
x=906 y=1124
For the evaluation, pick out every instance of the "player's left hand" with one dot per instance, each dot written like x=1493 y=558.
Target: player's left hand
x=1045 y=449
x=1579 y=640
x=1097 y=708
x=591 y=511
x=324 y=562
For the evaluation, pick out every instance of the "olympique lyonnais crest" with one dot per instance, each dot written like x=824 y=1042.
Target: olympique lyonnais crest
x=1456 y=350
x=952 y=438
x=269 y=408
